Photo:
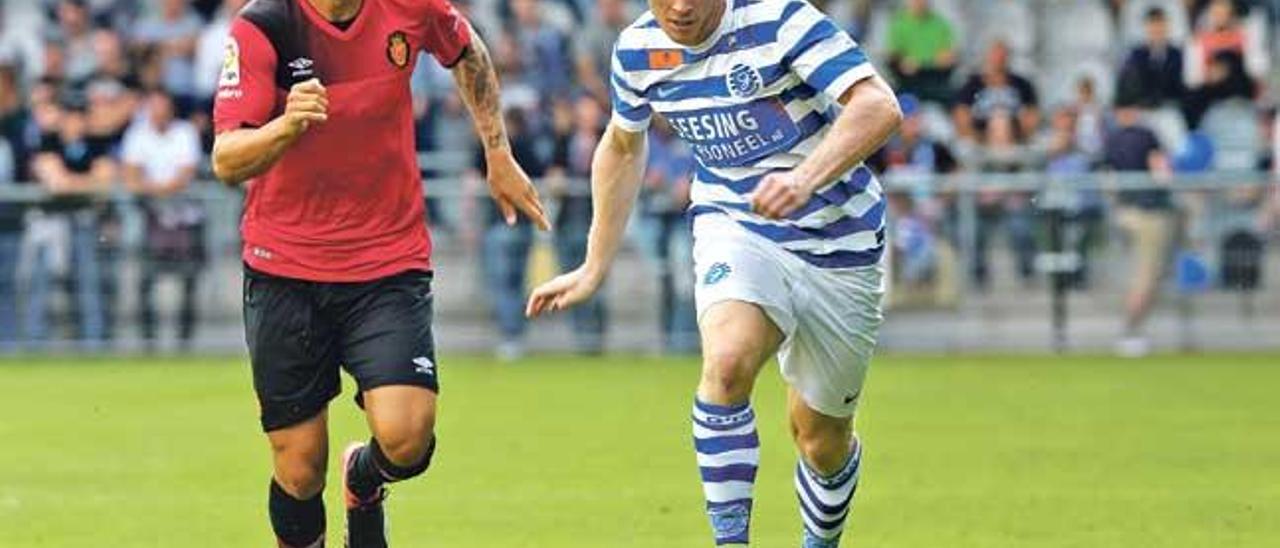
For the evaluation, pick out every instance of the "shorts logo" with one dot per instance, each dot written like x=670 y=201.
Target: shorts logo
x=424 y=365
x=716 y=274
x=398 y=49
x=230 y=65
x=743 y=80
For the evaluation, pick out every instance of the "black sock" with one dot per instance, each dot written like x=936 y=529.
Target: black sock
x=298 y=523
x=371 y=468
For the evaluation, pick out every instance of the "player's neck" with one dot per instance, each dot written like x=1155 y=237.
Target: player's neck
x=712 y=23
x=337 y=11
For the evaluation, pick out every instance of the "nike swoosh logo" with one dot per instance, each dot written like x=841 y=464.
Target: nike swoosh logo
x=666 y=92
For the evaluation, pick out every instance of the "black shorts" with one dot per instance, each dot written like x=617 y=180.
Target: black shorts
x=300 y=333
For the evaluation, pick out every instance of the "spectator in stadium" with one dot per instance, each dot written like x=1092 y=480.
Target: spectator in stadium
x=912 y=151
x=519 y=82
x=74 y=33
x=210 y=52
x=171 y=33
x=160 y=156
x=1064 y=158
x=1225 y=80
x=53 y=59
x=922 y=51
x=1222 y=32
x=569 y=184
x=11 y=225
x=1153 y=71
x=1270 y=217
x=61 y=241
x=105 y=13
x=15 y=119
x=505 y=248
x=1003 y=151
x=13 y=122
x=19 y=50
x=112 y=108
x=1146 y=215
x=664 y=198
x=1090 y=116
x=593 y=47
x=112 y=59
x=545 y=49
x=992 y=90
x=915 y=248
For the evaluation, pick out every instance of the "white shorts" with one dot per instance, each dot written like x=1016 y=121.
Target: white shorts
x=830 y=318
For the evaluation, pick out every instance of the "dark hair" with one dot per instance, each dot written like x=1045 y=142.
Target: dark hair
x=1155 y=13
x=74 y=102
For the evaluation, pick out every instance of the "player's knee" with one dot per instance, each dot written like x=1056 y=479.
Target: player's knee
x=408 y=447
x=402 y=460
x=727 y=375
x=301 y=479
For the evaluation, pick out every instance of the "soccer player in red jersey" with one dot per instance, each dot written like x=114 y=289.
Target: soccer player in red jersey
x=313 y=111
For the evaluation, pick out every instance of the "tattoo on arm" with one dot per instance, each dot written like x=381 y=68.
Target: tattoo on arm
x=478 y=85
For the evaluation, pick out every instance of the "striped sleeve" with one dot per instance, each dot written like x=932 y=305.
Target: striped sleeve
x=631 y=110
x=822 y=55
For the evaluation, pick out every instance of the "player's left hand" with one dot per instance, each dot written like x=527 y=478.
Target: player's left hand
x=513 y=191
x=779 y=194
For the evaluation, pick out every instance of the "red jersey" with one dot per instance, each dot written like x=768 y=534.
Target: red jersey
x=345 y=202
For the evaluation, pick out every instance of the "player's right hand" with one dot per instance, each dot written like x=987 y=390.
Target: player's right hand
x=563 y=291
x=308 y=104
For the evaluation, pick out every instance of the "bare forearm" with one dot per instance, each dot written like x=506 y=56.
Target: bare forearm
x=478 y=86
x=869 y=118
x=616 y=172
x=243 y=154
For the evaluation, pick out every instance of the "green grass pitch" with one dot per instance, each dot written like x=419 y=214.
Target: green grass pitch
x=570 y=452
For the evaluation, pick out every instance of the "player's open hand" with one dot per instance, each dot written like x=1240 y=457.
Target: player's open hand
x=307 y=104
x=513 y=191
x=779 y=195
x=562 y=292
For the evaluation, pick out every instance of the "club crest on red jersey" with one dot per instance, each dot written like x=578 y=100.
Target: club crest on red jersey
x=398 y=49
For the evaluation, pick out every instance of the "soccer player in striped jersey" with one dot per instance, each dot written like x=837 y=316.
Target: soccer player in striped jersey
x=780 y=108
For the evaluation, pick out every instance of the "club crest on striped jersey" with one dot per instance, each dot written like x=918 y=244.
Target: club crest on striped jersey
x=398 y=49
x=743 y=80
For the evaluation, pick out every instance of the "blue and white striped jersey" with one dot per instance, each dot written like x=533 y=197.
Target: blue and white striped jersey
x=756 y=97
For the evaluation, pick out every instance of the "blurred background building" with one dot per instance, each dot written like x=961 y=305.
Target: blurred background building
x=1082 y=174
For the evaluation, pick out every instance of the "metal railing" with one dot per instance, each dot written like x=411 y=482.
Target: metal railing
x=968 y=219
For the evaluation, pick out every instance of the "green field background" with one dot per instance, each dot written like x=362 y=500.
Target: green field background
x=573 y=452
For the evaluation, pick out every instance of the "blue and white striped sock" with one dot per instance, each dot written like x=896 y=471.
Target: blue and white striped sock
x=825 y=501
x=728 y=455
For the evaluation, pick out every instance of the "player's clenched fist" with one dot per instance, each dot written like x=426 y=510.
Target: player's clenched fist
x=308 y=103
x=779 y=195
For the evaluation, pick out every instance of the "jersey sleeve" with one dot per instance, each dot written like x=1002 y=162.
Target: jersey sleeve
x=447 y=33
x=820 y=53
x=631 y=110
x=246 y=88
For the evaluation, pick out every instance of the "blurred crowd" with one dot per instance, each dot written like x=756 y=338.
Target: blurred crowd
x=113 y=96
